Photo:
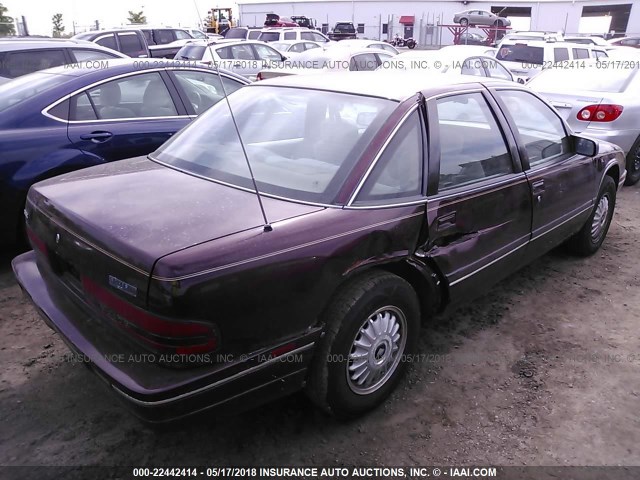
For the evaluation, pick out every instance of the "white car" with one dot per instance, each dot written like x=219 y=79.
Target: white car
x=279 y=34
x=245 y=58
x=360 y=43
x=329 y=60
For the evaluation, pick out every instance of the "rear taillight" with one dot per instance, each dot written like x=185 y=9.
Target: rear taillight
x=37 y=242
x=259 y=76
x=160 y=334
x=600 y=113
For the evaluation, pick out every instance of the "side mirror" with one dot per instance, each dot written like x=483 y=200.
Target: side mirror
x=585 y=146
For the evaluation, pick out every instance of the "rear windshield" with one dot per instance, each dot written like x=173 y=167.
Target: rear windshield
x=593 y=79
x=236 y=33
x=302 y=144
x=520 y=52
x=23 y=88
x=191 y=52
x=345 y=28
x=269 y=36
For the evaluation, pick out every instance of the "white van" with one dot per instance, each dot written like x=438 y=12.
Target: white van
x=279 y=34
x=527 y=58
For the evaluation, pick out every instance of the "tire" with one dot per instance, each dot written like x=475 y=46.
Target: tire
x=591 y=236
x=411 y=45
x=349 y=319
x=633 y=164
x=498 y=23
x=464 y=22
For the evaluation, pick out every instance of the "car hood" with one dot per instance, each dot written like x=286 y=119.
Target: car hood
x=139 y=211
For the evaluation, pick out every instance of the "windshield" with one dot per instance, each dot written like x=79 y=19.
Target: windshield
x=23 y=88
x=520 y=52
x=301 y=143
x=191 y=52
x=197 y=34
x=344 y=28
x=592 y=79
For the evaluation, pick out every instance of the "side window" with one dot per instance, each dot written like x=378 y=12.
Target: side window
x=267 y=53
x=361 y=28
x=17 y=64
x=60 y=111
x=473 y=66
x=599 y=53
x=363 y=62
x=307 y=36
x=560 y=54
x=88 y=55
x=496 y=70
x=182 y=35
x=540 y=129
x=163 y=37
x=297 y=47
x=254 y=34
x=580 y=53
x=317 y=37
x=148 y=35
x=130 y=44
x=203 y=89
x=224 y=53
x=289 y=35
x=143 y=95
x=81 y=108
x=242 y=52
x=472 y=147
x=108 y=41
x=311 y=46
x=398 y=173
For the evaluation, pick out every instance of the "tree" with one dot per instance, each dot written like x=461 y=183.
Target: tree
x=137 y=18
x=58 y=25
x=6 y=23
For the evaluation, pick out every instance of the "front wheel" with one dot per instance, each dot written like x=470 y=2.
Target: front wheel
x=589 y=239
x=371 y=327
x=633 y=164
x=464 y=22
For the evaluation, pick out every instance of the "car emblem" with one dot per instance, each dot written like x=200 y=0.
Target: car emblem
x=125 y=287
x=57 y=238
x=26 y=214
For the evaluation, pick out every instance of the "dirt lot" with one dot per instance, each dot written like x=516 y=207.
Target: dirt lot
x=542 y=371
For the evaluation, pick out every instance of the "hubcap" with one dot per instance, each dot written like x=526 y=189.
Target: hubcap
x=600 y=218
x=376 y=350
x=636 y=160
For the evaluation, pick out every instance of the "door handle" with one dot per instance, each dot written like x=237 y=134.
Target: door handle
x=97 y=137
x=446 y=221
x=537 y=188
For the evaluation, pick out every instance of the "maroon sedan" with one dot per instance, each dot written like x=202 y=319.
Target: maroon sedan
x=387 y=197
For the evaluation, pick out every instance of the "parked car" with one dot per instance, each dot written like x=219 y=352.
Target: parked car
x=329 y=60
x=81 y=117
x=289 y=47
x=303 y=21
x=343 y=31
x=379 y=214
x=480 y=17
x=22 y=56
x=274 y=20
x=601 y=101
x=292 y=33
x=470 y=38
x=130 y=42
x=451 y=62
x=630 y=41
x=165 y=42
x=244 y=58
x=527 y=58
x=361 y=43
x=242 y=33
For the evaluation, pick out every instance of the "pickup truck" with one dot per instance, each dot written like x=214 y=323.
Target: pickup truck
x=343 y=31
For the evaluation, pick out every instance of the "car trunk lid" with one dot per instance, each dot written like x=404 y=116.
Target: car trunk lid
x=570 y=103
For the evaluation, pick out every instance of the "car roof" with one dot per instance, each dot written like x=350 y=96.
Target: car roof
x=33 y=44
x=544 y=43
x=393 y=85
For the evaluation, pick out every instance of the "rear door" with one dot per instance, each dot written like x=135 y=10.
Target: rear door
x=563 y=184
x=132 y=44
x=127 y=117
x=108 y=40
x=479 y=203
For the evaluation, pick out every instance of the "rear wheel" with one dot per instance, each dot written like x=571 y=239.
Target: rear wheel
x=589 y=239
x=371 y=327
x=633 y=164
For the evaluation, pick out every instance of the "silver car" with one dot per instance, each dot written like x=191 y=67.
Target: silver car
x=601 y=100
x=480 y=17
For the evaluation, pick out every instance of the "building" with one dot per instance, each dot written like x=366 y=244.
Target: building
x=426 y=20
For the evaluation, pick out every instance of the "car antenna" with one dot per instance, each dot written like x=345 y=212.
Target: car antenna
x=267 y=226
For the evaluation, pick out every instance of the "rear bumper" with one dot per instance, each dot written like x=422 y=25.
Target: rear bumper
x=154 y=392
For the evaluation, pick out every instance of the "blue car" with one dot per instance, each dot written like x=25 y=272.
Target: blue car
x=66 y=118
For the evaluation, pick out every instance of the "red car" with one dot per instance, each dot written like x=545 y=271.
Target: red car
x=274 y=20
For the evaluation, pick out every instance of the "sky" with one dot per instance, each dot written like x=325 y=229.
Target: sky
x=110 y=13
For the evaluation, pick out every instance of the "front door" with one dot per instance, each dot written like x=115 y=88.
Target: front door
x=125 y=118
x=563 y=184
x=479 y=204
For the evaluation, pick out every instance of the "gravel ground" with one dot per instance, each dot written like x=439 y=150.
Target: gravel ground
x=543 y=370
